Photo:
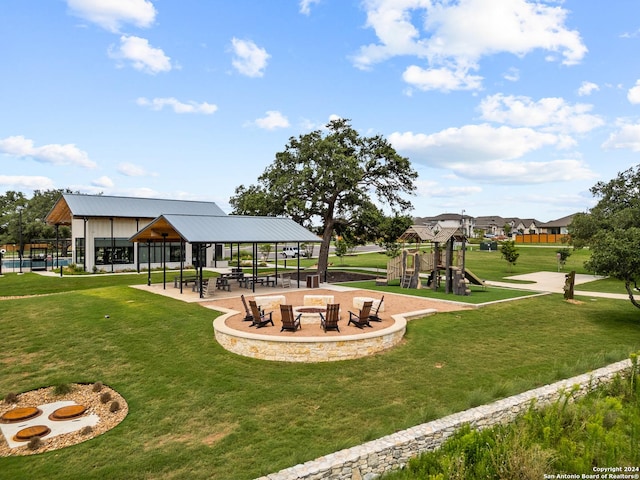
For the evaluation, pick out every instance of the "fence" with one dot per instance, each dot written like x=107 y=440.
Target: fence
x=542 y=238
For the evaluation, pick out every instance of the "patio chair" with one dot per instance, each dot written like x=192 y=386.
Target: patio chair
x=374 y=316
x=330 y=322
x=361 y=319
x=260 y=319
x=289 y=322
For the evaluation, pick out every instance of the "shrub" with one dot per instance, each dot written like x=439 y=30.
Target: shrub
x=97 y=387
x=11 y=397
x=114 y=407
x=87 y=430
x=62 y=389
x=35 y=443
x=105 y=397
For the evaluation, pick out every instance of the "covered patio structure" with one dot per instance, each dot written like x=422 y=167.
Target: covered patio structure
x=203 y=231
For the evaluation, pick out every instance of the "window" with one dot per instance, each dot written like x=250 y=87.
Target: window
x=80 y=251
x=113 y=250
x=172 y=252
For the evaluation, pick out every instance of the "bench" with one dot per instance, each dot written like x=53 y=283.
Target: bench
x=271 y=302
x=359 y=301
x=222 y=283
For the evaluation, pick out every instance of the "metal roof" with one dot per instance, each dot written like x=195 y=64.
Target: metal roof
x=224 y=229
x=74 y=205
x=423 y=233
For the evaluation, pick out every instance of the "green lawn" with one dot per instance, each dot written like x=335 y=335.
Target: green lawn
x=198 y=411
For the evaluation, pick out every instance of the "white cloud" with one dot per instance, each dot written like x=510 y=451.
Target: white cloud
x=520 y=172
x=474 y=144
x=429 y=188
x=456 y=35
x=305 y=6
x=552 y=114
x=587 y=88
x=112 y=14
x=178 y=106
x=249 y=59
x=512 y=75
x=627 y=137
x=132 y=170
x=484 y=153
x=17 y=182
x=104 y=182
x=143 y=57
x=55 y=154
x=442 y=79
x=272 y=120
x=634 y=93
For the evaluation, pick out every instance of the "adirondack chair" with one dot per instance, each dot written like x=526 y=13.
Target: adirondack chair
x=290 y=322
x=330 y=321
x=260 y=319
x=361 y=319
x=374 y=316
x=248 y=317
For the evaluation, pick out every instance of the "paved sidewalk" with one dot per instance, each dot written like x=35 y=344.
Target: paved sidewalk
x=554 y=282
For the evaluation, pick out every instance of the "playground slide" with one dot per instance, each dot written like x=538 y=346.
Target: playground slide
x=473 y=278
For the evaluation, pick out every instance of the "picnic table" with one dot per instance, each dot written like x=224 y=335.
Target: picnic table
x=185 y=280
x=248 y=281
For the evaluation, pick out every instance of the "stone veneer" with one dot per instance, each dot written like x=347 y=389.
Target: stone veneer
x=301 y=348
x=371 y=459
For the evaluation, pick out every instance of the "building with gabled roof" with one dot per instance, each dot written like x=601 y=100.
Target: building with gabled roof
x=124 y=233
x=559 y=226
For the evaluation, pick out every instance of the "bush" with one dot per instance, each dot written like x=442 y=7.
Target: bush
x=114 y=407
x=11 y=397
x=97 y=387
x=62 y=389
x=34 y=443
x=105 y=397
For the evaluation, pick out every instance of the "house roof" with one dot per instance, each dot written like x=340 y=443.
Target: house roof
x=70 y=205
x=224 y=229
x=560 y=222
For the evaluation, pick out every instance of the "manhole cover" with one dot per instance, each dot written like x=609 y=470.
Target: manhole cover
x=65 y=413
x=20 y=414
x=30 y=432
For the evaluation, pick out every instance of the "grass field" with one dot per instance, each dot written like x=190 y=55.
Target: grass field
x=197 y=411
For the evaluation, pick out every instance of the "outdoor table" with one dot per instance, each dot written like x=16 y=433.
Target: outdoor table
x=249 y=281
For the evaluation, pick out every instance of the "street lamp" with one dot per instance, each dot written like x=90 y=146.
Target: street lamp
x=20 y=238
x=464 y=247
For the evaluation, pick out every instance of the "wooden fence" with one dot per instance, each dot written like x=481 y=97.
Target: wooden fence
x=542 y=238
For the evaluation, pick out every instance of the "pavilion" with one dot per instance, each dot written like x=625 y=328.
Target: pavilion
x=203 y=231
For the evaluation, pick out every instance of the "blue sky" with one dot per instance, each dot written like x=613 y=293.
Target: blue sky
x=504 y=107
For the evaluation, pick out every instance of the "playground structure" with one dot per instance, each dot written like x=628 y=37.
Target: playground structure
x=442 y=257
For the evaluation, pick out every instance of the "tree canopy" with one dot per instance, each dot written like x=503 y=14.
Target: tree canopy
x=611 y=229
x=330 y=175
x=15 y=209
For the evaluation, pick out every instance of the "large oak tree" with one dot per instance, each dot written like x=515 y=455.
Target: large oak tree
x=611 y=230
x=325 y=175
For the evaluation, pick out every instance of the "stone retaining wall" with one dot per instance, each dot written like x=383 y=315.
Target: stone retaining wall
x=308 y=349
x=371 y=459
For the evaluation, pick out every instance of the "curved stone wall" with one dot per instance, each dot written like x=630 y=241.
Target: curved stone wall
x=311 y=348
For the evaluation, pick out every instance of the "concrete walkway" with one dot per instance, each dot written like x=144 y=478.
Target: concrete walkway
x=553 y=282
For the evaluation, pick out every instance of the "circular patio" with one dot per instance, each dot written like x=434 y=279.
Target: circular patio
x=311 y=343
